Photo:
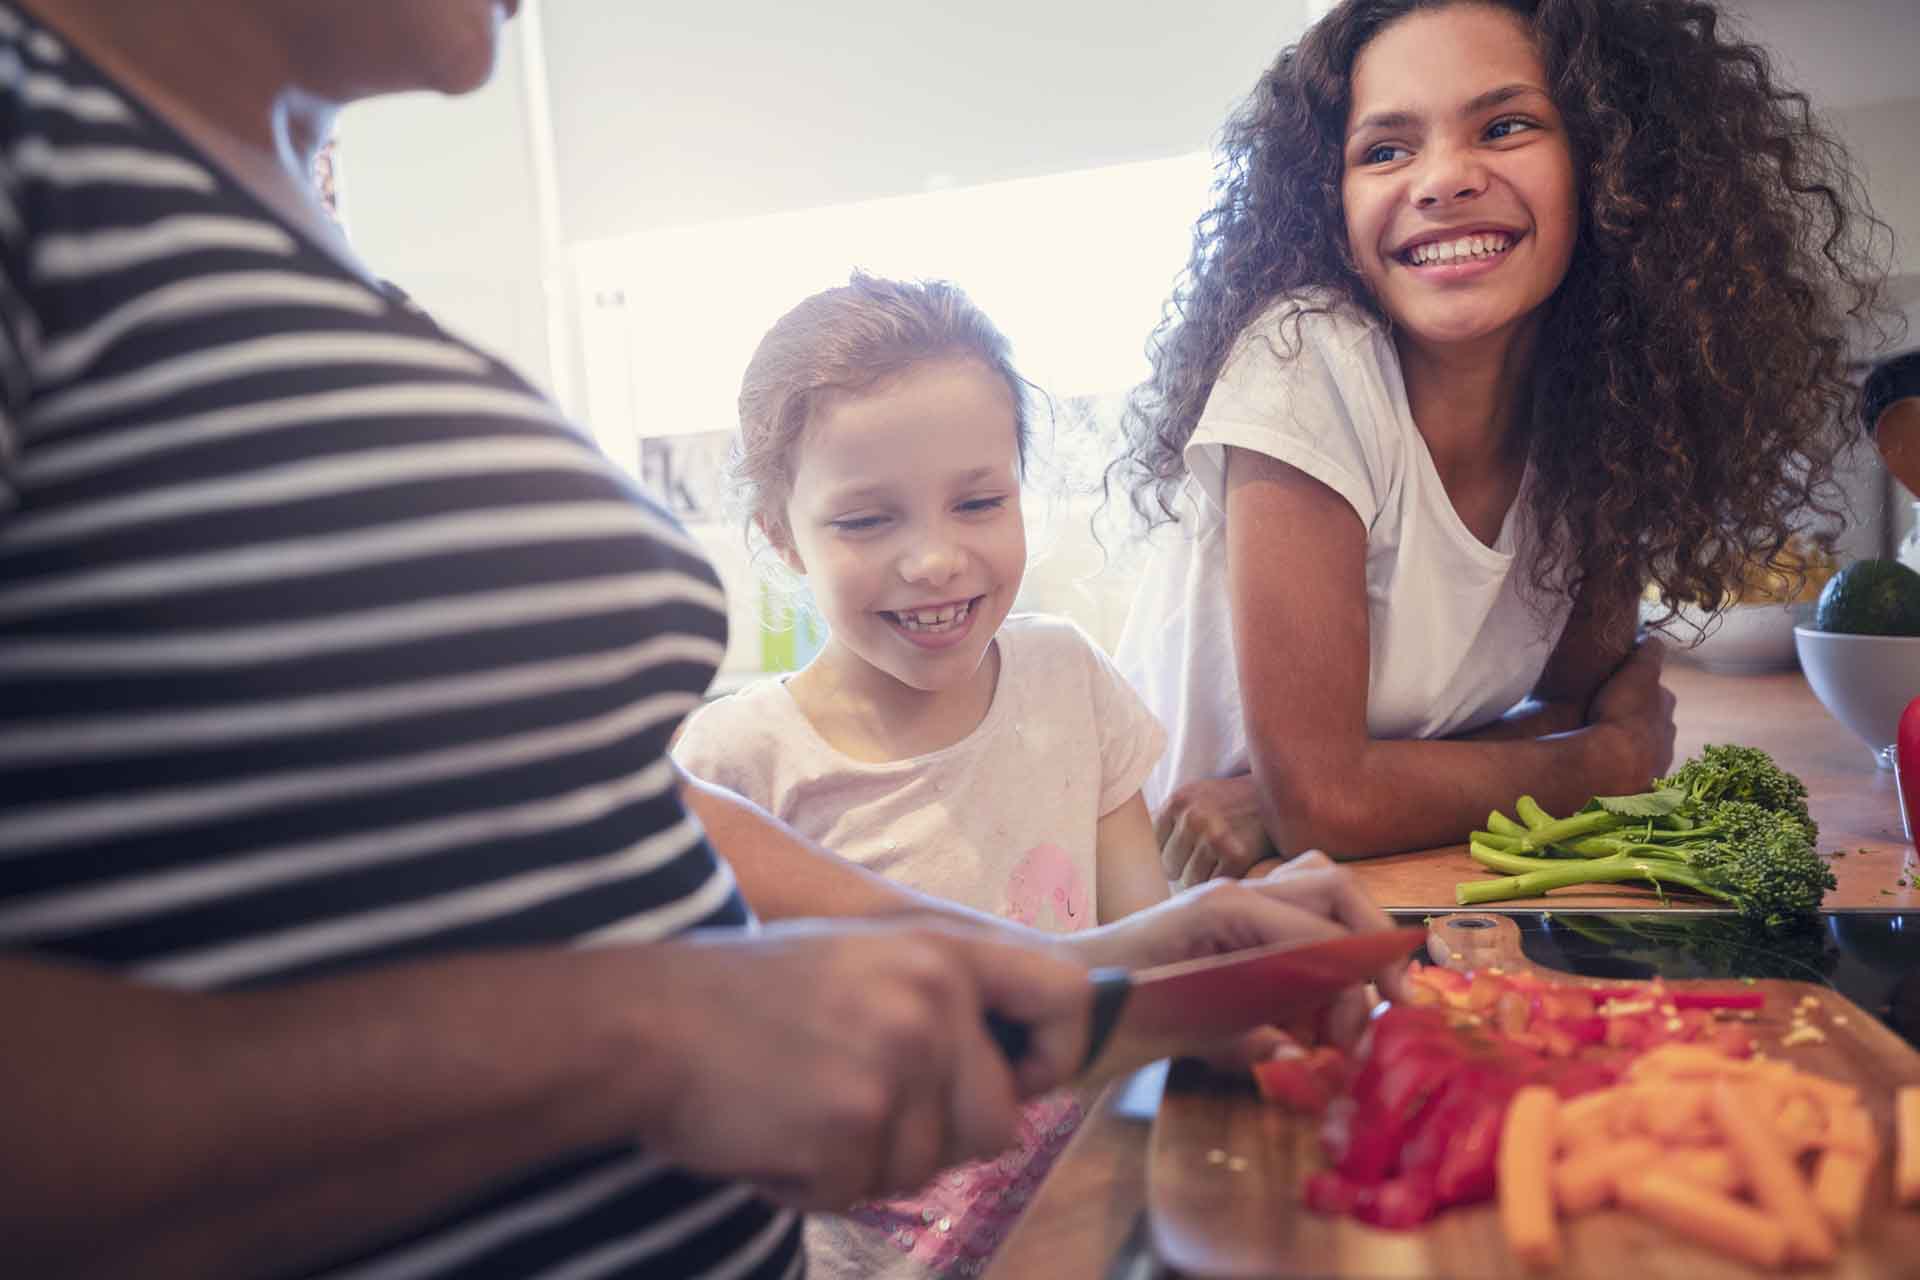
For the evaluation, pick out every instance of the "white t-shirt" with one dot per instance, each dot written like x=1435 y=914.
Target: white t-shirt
x=1005 y=821
x=1455 y=638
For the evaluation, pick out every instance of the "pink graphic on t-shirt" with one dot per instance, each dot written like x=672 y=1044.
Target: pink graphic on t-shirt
x=1044 y=884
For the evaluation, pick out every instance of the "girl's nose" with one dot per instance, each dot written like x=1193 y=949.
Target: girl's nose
x=933 y=561
x=1450 y=174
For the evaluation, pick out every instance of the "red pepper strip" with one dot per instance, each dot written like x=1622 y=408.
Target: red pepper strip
x=1719 y=1000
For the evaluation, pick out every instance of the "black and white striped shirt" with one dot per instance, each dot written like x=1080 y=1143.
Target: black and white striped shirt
x=324 y=642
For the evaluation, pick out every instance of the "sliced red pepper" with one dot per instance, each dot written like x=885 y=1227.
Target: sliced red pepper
x=1467 y=1173
x=1330 y=1191
x=1717 y=999
x=1398 y=1203
x=1291 y=1082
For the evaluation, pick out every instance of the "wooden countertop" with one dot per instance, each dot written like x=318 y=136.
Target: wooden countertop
x=1090 y=1202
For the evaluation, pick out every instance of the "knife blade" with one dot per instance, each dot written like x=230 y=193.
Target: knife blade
x=1143 y=1015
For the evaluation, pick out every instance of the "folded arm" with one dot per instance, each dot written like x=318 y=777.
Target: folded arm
x=1322 y=782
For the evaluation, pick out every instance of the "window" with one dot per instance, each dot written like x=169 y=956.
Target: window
x=1074 y=268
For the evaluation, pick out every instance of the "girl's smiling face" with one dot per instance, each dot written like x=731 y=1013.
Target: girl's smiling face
x=905 y=518
x=1458 y=188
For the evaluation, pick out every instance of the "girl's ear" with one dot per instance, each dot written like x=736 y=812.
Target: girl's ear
x=781 y=541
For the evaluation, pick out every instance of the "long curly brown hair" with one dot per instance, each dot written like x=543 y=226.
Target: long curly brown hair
x=1690 y=391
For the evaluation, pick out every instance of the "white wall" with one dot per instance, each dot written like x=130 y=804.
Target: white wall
x=667 y=115
x=1884 y=138
x=438 y=195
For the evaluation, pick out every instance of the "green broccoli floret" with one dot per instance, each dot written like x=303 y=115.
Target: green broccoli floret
x=1728 y=772
x=1753 y=858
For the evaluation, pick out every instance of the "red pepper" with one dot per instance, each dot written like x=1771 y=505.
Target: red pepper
x=1398 y=1203
x=1291 y=1082
x=1330 y=1191
x=1466 y=1174
x=1906 y=766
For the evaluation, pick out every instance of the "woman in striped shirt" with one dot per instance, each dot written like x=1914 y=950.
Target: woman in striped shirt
x=351 y=922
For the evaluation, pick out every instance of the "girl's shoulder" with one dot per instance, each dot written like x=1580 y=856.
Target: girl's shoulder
x=1309 y=321
x=1037 y=637
x=756 y=719
x=1054 y=649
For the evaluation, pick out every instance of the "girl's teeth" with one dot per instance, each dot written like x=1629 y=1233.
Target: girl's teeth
x=935 y=619
x=1475 y=246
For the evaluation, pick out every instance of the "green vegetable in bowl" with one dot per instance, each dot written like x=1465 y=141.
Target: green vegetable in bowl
x=1870 y=598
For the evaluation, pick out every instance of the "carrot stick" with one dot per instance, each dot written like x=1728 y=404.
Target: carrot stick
x=1850 y=1129
x=1722 y=1224
x=1585 y=1180
x=1713 y=1168
x=1800 y=1124
x=1770 y=1172
x=1906 y=1179
x=1586 y=1116
x=1524 y=1165
x=1840 y=1190
x=1673 y=1112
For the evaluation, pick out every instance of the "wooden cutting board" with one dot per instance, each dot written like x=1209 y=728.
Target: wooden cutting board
x=1225 y=1169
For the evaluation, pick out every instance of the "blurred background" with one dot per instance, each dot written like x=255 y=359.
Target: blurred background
x=644 y=188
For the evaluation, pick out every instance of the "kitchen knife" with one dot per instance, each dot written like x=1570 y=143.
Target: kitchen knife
x=1142 y=1015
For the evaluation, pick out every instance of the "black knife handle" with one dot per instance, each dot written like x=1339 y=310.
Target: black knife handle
x=1110 y=988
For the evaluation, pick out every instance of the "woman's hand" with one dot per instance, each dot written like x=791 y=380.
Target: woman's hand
x=834 y=1063
x=1308 y=899
x=1212 y=827
x=1638 y=711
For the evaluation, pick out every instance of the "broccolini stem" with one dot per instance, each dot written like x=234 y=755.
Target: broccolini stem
x=1501 y=825
x=1542 y=879
x=1562 y=830
x=1608 y=845
x=1532 y=814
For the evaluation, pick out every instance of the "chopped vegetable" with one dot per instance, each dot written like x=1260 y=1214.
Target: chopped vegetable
x=1768 y=1169
x=1906 y=1180
x=1526 y=1182
x=1586 y=1180
x=1719 y=1222
x=1841 y=1177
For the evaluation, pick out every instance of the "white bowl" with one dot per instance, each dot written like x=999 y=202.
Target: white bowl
x=1865 y=681
x=1744 y=639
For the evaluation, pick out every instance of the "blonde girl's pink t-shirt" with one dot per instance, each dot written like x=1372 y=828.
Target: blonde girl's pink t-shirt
x=1004 y=821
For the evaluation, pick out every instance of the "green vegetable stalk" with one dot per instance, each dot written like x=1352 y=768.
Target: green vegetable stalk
x=1729 y=825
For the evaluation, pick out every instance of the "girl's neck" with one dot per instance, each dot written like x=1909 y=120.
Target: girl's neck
x=220 y=75
x=1469 y=402
x=868 y=715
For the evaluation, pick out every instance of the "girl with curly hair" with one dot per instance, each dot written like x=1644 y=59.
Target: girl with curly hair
x=1504 y=310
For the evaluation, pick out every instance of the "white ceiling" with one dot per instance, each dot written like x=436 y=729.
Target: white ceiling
x=668 y=114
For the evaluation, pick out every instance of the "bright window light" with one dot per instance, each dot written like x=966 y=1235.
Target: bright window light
x=1074 y=268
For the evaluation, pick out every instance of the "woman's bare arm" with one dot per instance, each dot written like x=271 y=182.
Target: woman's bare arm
x=177 y=1129
x=1303 y=646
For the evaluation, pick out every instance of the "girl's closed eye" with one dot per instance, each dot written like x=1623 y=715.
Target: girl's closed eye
x=980 y=506
x=857 y=524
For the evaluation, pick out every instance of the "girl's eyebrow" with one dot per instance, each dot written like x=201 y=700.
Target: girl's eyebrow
x=857 y=492
x=1474 y=106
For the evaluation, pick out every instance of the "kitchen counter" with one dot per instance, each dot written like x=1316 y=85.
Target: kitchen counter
x=1854 y=801
x=1087 y=1218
